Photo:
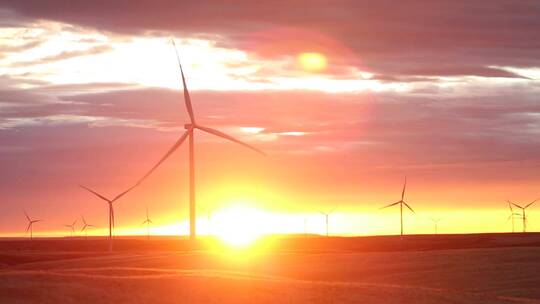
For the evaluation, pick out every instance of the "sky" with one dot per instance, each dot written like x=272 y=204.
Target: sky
x=346 y=98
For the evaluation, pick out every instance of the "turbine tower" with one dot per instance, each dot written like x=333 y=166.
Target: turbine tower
x=148 y=221
x=524 y=215
x=111 y=210
x=190 y=127
x=71 y=228
x=85 y=228
x=401 y=203
x=512 y=215
x=30 y=226
x=326 y=218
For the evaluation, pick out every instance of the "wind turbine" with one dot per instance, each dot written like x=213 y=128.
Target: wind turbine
x=524 y=216
x=436 y=223
x=512 y=215
x=401 y=203
x=111 y=209
x=30 y=226
x=85 y=227
x=190 y=127
x=148 y=221
x=326 y=217
x=71 y=228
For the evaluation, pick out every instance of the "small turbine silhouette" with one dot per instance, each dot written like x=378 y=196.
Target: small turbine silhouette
x=30 y=226
x=85 y=228
x=71 y=228
x=401 y=203
x=524 y=215
x=147 y=222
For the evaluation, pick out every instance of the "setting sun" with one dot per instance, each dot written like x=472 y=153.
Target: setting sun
x=239 y=226
x=313 y=62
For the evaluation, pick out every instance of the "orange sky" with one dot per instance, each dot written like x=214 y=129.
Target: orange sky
x=344 y=110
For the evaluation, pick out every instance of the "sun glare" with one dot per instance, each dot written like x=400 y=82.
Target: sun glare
x=312 y=61
x=238 y=226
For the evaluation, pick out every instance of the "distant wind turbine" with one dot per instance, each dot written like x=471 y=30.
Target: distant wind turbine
x=326 y=218
x=111 y=209
x=436 y=223
x=401 y=203
x=148 y=221
x=85 y=227
x=190 y=128
x=30 y=226
x=512 y=215
x=524 y=215
x=71 y=228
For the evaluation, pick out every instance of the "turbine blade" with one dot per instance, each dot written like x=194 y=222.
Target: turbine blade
x=228 y=137
x=517 y=206
x=123 y=193
x=95 y=193
x=510 y=206
x=390 y=205
x=28 y=227
x=404 y=186
x=531 y=203
x=171 y=150
x=27 y=217
x=75 y=222
x=409 y=207
x=84 y=221
x=187 y=98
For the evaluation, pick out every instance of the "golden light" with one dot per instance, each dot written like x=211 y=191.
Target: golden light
x=312 y=61
x=239 y=226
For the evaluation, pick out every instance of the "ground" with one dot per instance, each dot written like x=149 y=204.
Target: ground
x=350 y=270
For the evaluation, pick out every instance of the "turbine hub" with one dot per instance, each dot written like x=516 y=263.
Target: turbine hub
x=188 y=126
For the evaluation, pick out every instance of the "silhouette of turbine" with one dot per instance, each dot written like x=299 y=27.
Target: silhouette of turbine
x=524 y=215
x=512 y=215
x=30 y=226
x=436 y=223
x=326 y=218
x=148 y=221
x=401 y=203
x=85 y=228
x=71 y=228
x=111 y=210
x=190 y=128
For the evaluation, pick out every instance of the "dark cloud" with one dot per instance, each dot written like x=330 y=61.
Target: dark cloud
x=419 y=38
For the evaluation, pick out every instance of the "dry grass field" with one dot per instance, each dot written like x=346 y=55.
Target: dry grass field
x=351 y=270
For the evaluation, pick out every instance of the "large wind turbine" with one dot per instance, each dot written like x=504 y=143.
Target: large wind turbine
x=524 y=216
x=512 y=215
x=85 y=227
x=326 y=218
x=71 y=228
x=111 y=210
x=148 y=221
x=30 y=226
x=401 y=203
x=190 y=128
